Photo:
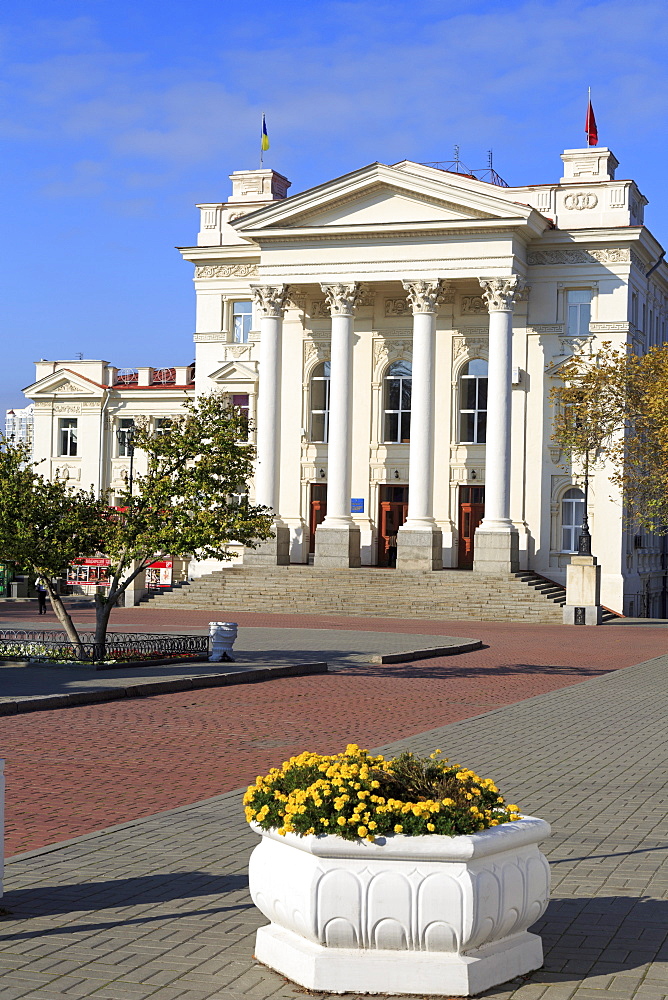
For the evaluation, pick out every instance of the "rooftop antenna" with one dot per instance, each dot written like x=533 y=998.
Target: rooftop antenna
x=79 y=356
x=489 y=159
x=457 y=158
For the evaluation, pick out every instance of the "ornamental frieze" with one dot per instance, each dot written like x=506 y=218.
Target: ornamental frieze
x=611 y=255
x=227 y=271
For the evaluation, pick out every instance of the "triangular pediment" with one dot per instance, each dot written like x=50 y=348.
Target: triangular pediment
x=64 y=383
x=235 y=372
x=381 y=198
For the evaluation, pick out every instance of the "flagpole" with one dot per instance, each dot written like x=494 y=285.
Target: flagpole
x=261 y=138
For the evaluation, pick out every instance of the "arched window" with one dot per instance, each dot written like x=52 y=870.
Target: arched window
x=572 y=515
x=320 y=403
x=397 y=403
x=473 y=402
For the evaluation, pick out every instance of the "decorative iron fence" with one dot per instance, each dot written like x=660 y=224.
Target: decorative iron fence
x=51 y=644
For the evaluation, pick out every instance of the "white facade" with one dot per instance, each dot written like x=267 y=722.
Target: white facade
x=79 y=406
x=440 y=275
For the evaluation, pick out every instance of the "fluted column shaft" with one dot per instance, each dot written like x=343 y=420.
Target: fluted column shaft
x=337 y=540
x=270 y=303
x=496 y=539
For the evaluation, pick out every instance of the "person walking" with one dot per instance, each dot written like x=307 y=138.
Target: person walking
x=392 y=551
x=40 y=587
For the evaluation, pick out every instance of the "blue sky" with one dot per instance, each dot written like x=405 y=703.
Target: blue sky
x=117 y=117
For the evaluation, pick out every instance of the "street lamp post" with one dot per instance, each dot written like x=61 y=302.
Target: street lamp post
x=584 y=540
x=126 y=438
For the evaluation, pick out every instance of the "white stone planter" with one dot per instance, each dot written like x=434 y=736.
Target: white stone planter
x=428 y=915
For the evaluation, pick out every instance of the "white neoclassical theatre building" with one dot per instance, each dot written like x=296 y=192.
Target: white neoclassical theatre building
x=394 y=334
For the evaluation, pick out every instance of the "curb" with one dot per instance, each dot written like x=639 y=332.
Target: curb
x=425 y=654
x=45 y=702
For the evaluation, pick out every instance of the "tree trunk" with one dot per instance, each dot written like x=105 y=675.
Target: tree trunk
x=64 y=618
x=103 y=606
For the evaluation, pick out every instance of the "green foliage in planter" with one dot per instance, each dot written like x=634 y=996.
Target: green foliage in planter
x=355 y=795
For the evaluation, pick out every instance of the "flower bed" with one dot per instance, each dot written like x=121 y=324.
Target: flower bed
x=356 y=795
x=53 y=646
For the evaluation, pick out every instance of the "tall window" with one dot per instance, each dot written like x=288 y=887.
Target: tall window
x=320 y=403
x=242 y=317
x=572 y=515
x=240 y=403
x=125 y=426
x=473 y=402
x=397 y=410
x=578 y=312
x=67 y=430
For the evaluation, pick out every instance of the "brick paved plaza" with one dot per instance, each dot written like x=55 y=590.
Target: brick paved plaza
x=570 y=734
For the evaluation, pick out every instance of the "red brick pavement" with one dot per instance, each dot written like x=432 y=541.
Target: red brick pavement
x=75 y=770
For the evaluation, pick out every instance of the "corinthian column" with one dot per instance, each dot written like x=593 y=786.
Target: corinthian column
x=337 y=540
x=270 y=302
x=496 y=549
x=419 y=541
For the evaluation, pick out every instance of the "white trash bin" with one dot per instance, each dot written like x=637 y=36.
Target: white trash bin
x=222 y=636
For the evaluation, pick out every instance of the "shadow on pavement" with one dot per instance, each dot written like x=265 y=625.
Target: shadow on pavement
x=434 y=670
x=599 y=936
x=45 y=901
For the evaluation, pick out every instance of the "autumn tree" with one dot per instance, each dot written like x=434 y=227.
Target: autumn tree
x=616 y=402
x=186 y=503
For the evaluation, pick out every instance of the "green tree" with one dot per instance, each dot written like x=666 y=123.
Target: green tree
x=617 y=402
x=186 y=503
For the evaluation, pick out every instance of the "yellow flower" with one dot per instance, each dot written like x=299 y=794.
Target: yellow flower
x=362 y=831
x=398 y=828
x=431 y=827
x=341 y=821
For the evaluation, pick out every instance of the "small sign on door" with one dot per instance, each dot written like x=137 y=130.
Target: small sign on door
x=357 y=505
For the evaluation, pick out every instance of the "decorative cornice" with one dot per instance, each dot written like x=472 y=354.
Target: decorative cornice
x=210 y=338
x=342 y=298
x=227 y=271
x=270 y=300
x=425 y=296
x=500 y=294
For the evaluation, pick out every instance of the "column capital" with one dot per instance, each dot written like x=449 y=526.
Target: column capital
x=271 y=300
x=501 y=294
x=426 y=296
x=342 y=298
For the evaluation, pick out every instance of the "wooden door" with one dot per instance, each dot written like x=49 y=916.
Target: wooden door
x=317 y=512
x=392 y=513
x=471 y=513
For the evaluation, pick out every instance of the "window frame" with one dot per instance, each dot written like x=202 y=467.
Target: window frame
x=572 y=527
x=124 y=424
x=241 y=336
x=400 y=411
x=326 y=379
x=68 y=441
x=582 y=326
x=477 y=410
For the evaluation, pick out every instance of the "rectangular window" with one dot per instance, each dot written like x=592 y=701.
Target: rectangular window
x=578 y=312
x=67 y=428
x=125 y=427
x=161 y=426
x=240 y=403
x=242 y=317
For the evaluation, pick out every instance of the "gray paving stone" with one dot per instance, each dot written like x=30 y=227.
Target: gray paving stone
x=158 y=908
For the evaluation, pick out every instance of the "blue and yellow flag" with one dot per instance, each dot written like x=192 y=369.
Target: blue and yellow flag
x=265 y=137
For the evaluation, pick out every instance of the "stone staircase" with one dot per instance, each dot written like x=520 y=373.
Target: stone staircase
x=450 y=594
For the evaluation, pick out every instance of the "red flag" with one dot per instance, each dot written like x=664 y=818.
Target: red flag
x=590 y=127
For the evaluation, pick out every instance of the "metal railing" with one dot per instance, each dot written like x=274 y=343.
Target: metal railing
x=51 y=644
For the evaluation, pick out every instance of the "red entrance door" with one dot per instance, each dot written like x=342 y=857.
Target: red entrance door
x=471 y=513
x=392 y=513
x=318 y=511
